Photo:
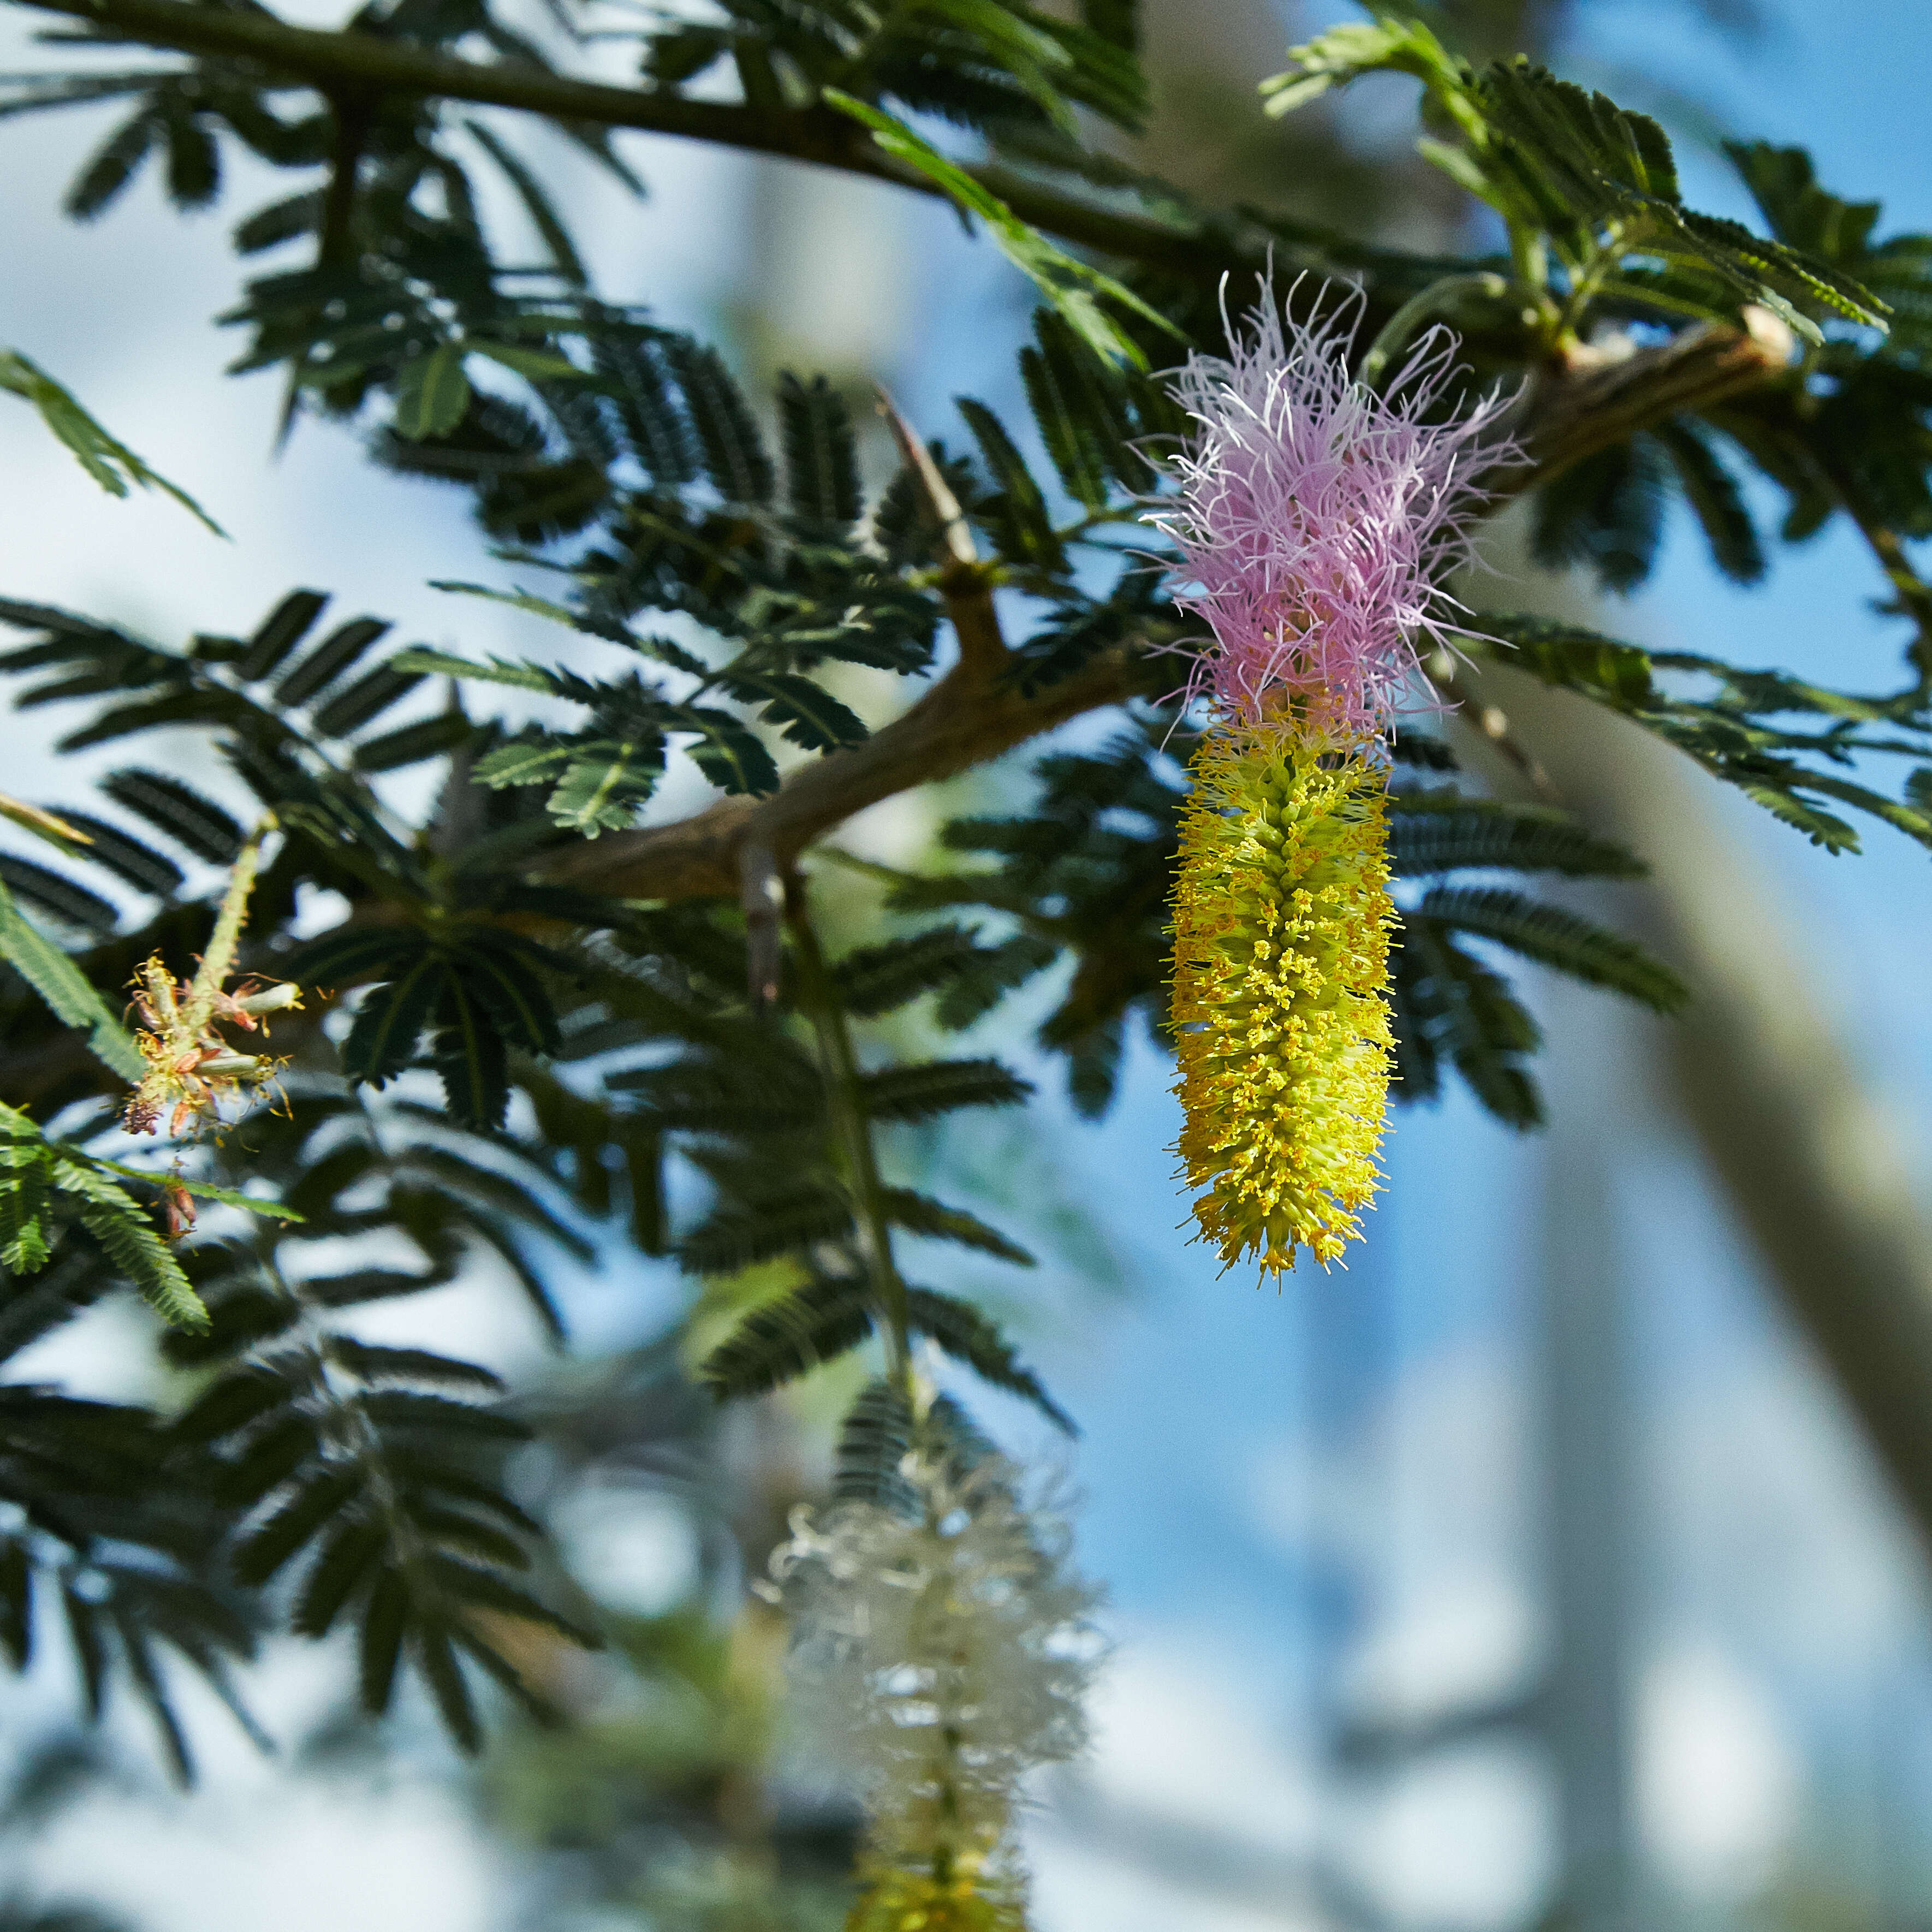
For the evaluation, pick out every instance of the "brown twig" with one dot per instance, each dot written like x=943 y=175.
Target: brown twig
x=975 y=713
x=970 y=715
x=966 y=582
x=955 y=533
x=1566 y=412
x=329 y=62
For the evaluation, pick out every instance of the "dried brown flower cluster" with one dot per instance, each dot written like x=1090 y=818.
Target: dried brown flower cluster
x=191 y=1067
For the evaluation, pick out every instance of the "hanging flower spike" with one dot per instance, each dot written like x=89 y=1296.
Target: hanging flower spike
x=1314 y=518
x=941 y=1651
x=191 y=1068
x=1281 y=934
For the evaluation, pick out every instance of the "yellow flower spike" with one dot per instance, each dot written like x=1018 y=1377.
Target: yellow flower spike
x=1281 y=939
x=891 y=1899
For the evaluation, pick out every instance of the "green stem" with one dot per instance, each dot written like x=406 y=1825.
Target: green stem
x=852 y=1132
x=1396 y=331
x=1620 y=239
x=1888 y=549
x=219 y=960
x=1530 y=251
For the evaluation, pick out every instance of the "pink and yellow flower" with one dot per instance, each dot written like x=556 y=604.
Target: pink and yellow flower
x=1314 y=519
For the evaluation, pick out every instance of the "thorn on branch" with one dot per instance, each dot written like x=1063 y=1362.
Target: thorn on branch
x=963 y=578
x=955 y=534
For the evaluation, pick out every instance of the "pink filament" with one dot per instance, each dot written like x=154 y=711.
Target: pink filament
x=1314 y=516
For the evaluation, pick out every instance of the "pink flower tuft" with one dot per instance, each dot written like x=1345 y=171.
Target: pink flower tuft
x=1315 y=516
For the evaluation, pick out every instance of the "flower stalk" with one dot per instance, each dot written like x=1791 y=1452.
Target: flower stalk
x=853 y=1153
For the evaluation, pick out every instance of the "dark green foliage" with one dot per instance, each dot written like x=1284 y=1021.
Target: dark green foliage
x=107 y=1558
x=48 y=1187
x=1606 y=512
x=919 y=1214
x=127 y=857
x=1084 y=413
x=329 y=660
x=1554 y=937
x=769 y=1225
x=877 y=1433
x=1733 y=732
x=731 y=450
x=923 y=1090
x=787 y=1338
x=1015 y=511
x=281 y=631
x=970 y=1335
x=821 y=458
x=1444 y=830
x=197 y=824
x=1711 y=491
x=783 y=1339
x=876 y=979
x=1449 y=1006
x=57 y=896
x=369 y=1478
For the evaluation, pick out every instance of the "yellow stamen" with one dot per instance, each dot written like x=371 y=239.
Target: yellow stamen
x=1281 y=930
x=892 y=1899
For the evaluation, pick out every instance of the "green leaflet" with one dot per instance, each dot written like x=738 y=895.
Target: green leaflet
x=969 y=1335
x=876 y=979
x=1734 y=733
x=1556 y=937
x=925 y=1089
x=196 y=824
x=432 y=393
x=919 y=1214
x=57 y=980
x=1444 y=830
x=525 y=677
x=40 y=1177
x=821 y=452
x=107 y=459
x=783 y=1339
x=130 y=1241
x=601 y=785
x=1345 y=53
x=1599 y=180
x=1450 y=1007
x=873 y=1440
x=808 y=1327
x=1074 y=289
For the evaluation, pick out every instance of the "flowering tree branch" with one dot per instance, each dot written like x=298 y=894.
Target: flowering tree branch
x=976 y=712
x=349 y=63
